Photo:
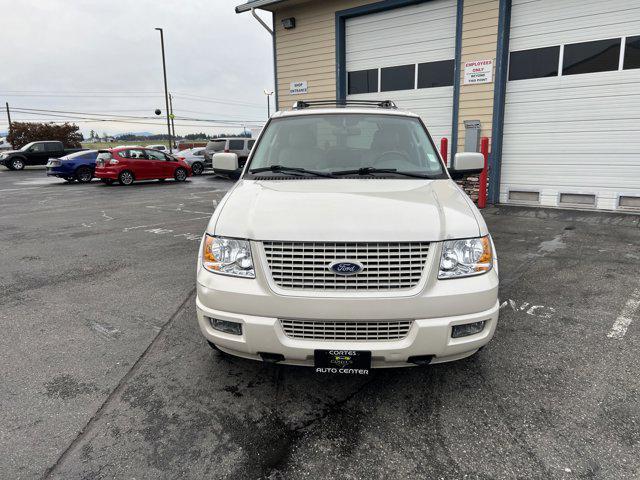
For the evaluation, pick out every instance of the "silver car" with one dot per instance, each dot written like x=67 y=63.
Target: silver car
x=195 y=158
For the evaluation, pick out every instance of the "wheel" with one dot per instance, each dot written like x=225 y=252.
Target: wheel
x=17 y=164
x=197 y=168
x=125 y=178
x=84 y=174
x=70 y=179
x=180 y=175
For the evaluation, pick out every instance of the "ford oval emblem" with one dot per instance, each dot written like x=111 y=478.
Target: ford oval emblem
x=346 y=267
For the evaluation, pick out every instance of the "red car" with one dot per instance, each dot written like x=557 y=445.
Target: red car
x=128 y=164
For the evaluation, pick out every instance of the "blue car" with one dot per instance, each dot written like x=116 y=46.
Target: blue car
x=75 y=166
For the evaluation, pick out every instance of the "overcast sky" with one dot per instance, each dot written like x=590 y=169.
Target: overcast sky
x=104 y=57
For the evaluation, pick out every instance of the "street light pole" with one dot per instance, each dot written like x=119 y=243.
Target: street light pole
x=268 y=93
x=166 y=90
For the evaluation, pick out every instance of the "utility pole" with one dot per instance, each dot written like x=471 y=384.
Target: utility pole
x=166 y=91
x=8 y=115
x=173 y=126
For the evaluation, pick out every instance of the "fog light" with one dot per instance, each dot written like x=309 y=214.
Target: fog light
x=467 y=329
x=233 y=328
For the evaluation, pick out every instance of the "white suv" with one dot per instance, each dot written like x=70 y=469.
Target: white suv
x=346 y=245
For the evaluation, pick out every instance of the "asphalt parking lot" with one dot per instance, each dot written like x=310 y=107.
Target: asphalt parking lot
x=105 y=375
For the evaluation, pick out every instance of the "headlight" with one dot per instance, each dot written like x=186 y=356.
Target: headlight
x=228 y=256
x=464 y=258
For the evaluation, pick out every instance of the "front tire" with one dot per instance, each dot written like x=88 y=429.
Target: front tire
x=126 y=178
x=84 y=174
x=197 y=168
x=17 y=164
x=180 y=175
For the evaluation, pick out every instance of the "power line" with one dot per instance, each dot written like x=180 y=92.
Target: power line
x=64 y=113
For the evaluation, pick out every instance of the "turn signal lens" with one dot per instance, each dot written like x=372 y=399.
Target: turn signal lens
x=227 y=256
x=464 y=258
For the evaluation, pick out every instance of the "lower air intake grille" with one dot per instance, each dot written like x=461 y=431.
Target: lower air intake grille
x=340 y=330
x=386 y=265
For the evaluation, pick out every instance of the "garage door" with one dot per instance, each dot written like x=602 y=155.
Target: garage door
x=406 y=55
x=572 y=112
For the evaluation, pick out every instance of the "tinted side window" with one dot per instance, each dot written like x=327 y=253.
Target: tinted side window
x=398 y=78
x=250 y=144
x=52 y=147
x=632 y=52
x=236 y=144
x=534 y=63
x=37 y=147
x=588 y=57
x=435 y=74
x=363 y=81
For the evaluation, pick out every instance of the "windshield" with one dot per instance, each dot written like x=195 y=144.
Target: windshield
x=336 y=142
x=216 y=146
x=27 y=147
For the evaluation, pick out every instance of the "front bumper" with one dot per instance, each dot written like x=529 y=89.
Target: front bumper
x=429 y=336
x=433 y=308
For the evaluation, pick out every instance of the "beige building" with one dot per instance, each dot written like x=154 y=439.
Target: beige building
x=552 y=83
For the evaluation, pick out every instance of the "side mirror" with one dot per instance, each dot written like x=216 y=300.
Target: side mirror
x=225 y=162
x=466 y=163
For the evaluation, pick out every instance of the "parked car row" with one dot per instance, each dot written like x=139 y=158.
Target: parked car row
x=123 y=164
x=80 y=164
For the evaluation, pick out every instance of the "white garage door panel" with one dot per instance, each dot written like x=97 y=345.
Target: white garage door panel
x=558 y=20
x=387 y=57
x=403 y=36
x=574 y=133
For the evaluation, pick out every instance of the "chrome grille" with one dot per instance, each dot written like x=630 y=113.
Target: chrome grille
x=340 y=330
x=387 y=265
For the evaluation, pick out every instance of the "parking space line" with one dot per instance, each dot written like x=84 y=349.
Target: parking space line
x=620 y=326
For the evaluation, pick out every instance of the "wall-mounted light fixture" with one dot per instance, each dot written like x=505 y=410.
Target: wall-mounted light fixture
x=289 y=23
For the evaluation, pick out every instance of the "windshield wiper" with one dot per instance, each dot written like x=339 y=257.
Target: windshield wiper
x=285 y=169
x=373 y=170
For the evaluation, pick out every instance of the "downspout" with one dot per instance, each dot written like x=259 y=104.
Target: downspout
x=273 y=40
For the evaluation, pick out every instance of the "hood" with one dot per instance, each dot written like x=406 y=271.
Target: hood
x=347 y=210
x=2 y=152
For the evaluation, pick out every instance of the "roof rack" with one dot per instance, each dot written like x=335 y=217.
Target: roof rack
x=302 y=104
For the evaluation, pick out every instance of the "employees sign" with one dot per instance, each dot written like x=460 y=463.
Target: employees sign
x=478 y=71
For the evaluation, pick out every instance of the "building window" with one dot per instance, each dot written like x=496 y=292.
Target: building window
x=632 y=52
x=398 y=78
x=435 y=74
x=534 y=63
x=363 y=81
x=589 y=57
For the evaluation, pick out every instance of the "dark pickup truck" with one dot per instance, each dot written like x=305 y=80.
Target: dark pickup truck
x=34 y=153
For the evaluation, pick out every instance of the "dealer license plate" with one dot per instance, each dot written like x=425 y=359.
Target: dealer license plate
x=345 y=362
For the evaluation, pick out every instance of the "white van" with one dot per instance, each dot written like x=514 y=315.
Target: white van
x=346 y=245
